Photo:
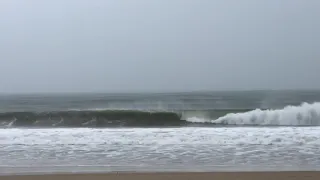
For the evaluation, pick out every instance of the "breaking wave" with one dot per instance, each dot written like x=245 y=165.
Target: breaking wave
x=304 y=115
x=107 y=118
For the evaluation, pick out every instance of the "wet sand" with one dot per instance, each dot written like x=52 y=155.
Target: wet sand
x=303 y=175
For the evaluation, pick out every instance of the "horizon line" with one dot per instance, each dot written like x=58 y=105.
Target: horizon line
x=152 y=92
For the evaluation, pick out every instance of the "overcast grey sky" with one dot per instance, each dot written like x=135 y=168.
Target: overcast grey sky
x=158 y=45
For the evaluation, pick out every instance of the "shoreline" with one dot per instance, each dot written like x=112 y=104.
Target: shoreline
x=305 y=175
x=52 y=170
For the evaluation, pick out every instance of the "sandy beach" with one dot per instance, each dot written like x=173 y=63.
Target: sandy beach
x=177 y=176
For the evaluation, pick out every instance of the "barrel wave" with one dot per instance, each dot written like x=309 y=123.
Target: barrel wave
x=108 y=118
x=304 y=115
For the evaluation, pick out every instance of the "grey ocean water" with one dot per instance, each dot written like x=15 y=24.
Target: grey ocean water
x=249 y=130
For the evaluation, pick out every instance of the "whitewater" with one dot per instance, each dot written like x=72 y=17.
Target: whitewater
x=304 y=115
x=160 y=149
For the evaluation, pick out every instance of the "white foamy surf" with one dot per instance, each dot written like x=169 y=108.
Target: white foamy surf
x=56 y=149
x=304 y=115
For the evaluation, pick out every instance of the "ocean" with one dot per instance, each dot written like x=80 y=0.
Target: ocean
x=198 y=131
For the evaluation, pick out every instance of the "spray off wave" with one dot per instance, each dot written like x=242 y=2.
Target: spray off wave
x=304 y=115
